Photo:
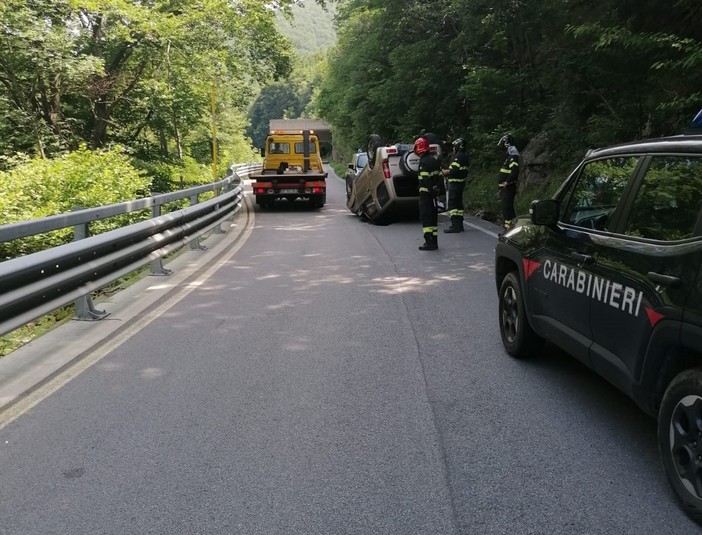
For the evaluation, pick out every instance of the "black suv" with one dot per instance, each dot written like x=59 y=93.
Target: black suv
x=609 y=270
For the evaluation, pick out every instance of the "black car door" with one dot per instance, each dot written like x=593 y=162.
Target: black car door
x=563 y=283
x=649 y=267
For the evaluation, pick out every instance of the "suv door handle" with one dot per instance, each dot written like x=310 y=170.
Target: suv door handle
x=582 y=258
x=665 y=280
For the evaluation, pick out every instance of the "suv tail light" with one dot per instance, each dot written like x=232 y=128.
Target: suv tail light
x=386 y=169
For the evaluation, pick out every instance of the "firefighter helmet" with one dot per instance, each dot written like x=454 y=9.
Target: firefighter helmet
x=459 y=144
x=421 y=146
x=506 y=141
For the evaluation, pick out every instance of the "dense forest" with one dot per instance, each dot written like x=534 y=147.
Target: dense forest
x=572 y=73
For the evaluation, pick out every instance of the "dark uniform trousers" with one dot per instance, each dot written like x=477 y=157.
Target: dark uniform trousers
x=507 y=195
x=508 y=175
x=455 y=201
x=429 y=176
x=457 y=174
x=428 y=214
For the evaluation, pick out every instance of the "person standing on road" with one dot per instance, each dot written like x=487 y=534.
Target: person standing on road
x=507 y=179
x=457 y=174
x=429 y=177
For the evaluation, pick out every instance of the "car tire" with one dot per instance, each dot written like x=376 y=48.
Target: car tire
x=518 y=337
x=374 y=141
x=680 y=440
x=318 y=201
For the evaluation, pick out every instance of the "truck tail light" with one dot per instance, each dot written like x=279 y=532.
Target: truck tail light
x=386 y=169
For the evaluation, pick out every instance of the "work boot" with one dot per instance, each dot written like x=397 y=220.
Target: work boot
x=430 y=243
x=456 y=226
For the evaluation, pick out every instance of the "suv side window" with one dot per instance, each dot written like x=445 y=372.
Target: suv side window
x=667 y=205
x=597 y=192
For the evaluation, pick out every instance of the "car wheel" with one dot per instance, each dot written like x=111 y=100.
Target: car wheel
x=374 y=141
x=317 y=201
x=680 y=440
x=517 y=335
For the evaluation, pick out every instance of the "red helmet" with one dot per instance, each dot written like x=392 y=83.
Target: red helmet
x=421 y=146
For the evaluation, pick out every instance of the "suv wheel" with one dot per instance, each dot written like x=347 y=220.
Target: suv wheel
x=517 y=335
x=374 y=141
x=680 y=439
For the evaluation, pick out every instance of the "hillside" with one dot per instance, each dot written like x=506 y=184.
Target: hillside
x=312 y=27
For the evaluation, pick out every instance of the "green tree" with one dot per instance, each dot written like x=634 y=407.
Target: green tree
x=585 y=73
x=132 y=72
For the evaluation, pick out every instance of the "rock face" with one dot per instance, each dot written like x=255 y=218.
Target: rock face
x=534 y=162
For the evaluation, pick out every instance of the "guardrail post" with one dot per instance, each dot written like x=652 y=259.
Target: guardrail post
x=195 y=244
x=85 y=310
x=157 y=269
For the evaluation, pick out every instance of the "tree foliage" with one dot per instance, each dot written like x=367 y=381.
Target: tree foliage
x=37 y=188
x=309 y=27
x=586 y=73
x=144 y=74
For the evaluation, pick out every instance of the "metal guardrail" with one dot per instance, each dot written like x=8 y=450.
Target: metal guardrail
x=36 y=284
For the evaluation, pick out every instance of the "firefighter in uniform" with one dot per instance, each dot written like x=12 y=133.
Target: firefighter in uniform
x=429 y=177
x=457 y=174
x=507 y=179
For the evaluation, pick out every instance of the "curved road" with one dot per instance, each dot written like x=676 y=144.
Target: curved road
x=329 y=378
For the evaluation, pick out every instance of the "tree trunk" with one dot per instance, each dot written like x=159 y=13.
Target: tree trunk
x=164 y=142
x=101 y=116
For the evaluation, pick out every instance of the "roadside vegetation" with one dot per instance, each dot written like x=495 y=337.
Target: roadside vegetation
x=562 y=77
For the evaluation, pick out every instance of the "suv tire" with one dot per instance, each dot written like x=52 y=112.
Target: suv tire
x=518 y=337
x=374 y=141
x=680 y=440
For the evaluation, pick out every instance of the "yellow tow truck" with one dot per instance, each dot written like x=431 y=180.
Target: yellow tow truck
x=292 y=169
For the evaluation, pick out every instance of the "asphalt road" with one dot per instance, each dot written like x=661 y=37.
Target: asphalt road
x=329 y=378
